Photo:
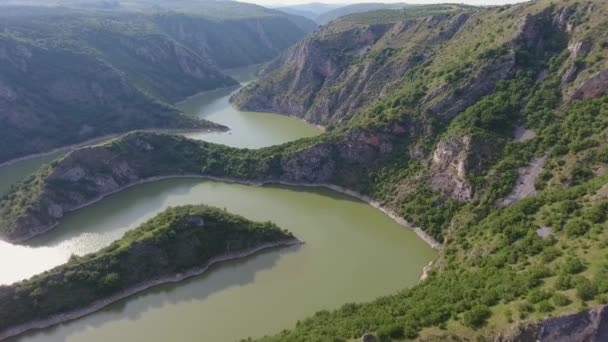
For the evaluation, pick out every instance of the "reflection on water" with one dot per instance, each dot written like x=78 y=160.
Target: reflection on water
x=13 y=173
x=247 y=129
x=352 y=253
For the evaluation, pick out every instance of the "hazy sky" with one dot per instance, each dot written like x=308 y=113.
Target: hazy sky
x=472 y=2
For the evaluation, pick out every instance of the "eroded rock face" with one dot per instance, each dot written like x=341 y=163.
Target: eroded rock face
x=454 y=161
x=595 y=87
x=589 y=326
x=312 y=81
x=314 y=165
x=368 y=338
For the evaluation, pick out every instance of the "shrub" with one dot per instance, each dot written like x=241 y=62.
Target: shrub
x=572 y=265
x=525 y=309
x=560 y=299
x=477 y=316
x=585 y=289
x=563 y=282
x=537 y=296
x=551 y=253
x=110 y=282
x=597 y=214
x=545 y=306
x=576 y=227
x=393 y=331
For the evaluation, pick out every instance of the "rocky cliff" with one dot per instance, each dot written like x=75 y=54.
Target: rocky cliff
x=588 y=326
x=353 y=71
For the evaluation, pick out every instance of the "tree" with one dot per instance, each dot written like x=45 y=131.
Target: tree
x=477 y=316
x=576 y=227
x=585 y=289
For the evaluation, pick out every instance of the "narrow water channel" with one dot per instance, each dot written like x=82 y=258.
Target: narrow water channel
x=352 y=252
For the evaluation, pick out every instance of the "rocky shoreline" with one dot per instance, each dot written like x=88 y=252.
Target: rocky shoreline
x=102 y=303
x=373 y=203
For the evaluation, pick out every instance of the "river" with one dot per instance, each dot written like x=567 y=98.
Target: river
x=352 y=252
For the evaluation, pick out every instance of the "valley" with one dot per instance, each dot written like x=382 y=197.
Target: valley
x=332 y=225
x=480 y=129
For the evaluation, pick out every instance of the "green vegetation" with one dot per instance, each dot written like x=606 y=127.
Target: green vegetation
x=388 y=15
x=72 y=74
x=449 y=116
x=342 y=11
x=177 y=240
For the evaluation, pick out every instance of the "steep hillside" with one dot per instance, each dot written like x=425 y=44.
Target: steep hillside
x=70 y=75
x=353 y=61
x=231 y=43
x=227 y=34
x=487 y=128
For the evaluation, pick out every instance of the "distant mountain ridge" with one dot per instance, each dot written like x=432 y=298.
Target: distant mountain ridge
x=72 y=74
x=328 y=16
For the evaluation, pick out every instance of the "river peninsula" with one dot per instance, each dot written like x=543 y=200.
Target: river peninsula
x=177 y=244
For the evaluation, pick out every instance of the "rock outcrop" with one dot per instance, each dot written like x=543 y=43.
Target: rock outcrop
x=595 y=87
x=588 y=326
x=455 y=161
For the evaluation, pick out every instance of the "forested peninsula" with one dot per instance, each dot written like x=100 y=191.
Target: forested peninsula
x=177 y=244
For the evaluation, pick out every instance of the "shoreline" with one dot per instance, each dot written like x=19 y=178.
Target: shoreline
x=94 y=141
x=102 y=303
x=429 y=240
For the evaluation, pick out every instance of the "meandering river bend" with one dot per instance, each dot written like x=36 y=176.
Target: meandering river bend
x=352 y=252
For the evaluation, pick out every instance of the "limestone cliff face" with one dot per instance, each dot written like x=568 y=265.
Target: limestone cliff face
x=330 y=75
x=583 y=75
x=454 y=161
x=340 y=70
x=588 y=326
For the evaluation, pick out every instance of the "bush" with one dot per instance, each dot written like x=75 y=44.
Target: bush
x=576 y=227
x=572 y=265
x=538 y=295
x=551 y=253
x=597 y=214
x=525 y=309
x=563 y=282
x=585 y=289
x=110 y=282
x=560 y=299
x=477 y=316
x=393 y=331
x=545 y=307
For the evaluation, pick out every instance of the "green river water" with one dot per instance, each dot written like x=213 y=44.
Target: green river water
x=352 y=252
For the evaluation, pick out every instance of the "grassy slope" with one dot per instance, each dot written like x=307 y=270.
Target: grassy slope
x=173 y=242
